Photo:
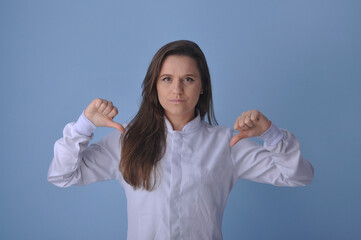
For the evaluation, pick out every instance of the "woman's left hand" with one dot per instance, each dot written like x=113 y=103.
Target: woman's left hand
x=250 y=124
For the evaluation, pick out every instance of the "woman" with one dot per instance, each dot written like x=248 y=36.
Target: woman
x=176 y=169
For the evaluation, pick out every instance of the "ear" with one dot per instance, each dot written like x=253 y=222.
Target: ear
x=201 y=91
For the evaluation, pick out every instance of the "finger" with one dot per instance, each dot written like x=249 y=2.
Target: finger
x=237 y=138
x=236 y=124
x=108 y=109
x=112 y=124
x=103 y=105
x=97 y=102
x=248 y=122
x=255 y=115
x=240 y=122
x=113 y=113
x=242 y=125
x=117 y=126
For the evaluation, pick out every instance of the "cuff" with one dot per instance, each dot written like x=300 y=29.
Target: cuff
x=272 y=136
x=84 y=126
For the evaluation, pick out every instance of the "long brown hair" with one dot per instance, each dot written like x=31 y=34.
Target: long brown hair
x=144 y=142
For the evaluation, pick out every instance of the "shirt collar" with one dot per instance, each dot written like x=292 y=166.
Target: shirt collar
x=191 y=126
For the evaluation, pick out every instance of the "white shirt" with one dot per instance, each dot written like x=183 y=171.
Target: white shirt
x=197 y=172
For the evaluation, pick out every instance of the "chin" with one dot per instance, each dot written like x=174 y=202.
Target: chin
x=180 y=113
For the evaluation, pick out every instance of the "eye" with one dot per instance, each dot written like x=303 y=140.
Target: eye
x=166 y=79
x=189 y=79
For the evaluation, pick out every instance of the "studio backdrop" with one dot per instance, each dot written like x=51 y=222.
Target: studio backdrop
x=298 y=62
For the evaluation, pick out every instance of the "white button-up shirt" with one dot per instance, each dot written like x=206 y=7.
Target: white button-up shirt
x=197 y=173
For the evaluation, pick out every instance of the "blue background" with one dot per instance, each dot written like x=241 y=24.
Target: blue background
x=299 y=62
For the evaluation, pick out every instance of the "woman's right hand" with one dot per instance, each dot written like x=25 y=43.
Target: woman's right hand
x=101 y=113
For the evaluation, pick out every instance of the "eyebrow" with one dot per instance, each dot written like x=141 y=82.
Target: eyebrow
x=186 y=75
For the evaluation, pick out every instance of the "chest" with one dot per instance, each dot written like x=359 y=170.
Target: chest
x=195 y=168
x=198 y=162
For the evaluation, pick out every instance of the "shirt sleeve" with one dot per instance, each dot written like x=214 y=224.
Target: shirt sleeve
x=84 y=126
x=278 y=162
x=76 y=163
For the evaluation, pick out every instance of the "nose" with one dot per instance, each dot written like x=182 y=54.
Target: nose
x=178 y=86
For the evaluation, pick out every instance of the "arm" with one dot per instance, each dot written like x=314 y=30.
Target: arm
x=76 y=163
x=279 y=161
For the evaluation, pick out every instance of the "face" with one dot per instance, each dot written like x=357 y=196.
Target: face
x=179 y=85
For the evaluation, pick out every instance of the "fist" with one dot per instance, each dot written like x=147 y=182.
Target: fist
x=250 y=124
x=101 y=112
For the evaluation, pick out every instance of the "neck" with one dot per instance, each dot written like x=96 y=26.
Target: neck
x=178 y=122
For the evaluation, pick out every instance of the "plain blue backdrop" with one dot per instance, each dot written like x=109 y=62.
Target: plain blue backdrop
x=299 y=62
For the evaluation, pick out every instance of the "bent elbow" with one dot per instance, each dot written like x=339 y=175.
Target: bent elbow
x=303 y=179
x=57 y=182
x=61 y=180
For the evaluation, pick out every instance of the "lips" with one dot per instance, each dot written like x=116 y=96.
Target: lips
x=178 y=100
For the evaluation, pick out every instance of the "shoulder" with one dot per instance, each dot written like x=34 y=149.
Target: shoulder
x=112 y=140
x=218 y=130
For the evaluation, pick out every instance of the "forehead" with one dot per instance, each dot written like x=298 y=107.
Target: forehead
x=179 y=64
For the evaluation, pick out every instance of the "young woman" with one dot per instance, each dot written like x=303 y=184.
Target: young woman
x=176 y=169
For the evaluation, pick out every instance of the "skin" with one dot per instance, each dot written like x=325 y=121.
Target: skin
x=250 y=124
x=101 y=113
x=179 y=86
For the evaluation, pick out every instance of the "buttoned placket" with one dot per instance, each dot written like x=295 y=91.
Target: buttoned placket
x=175 y=207
x=176 y=178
